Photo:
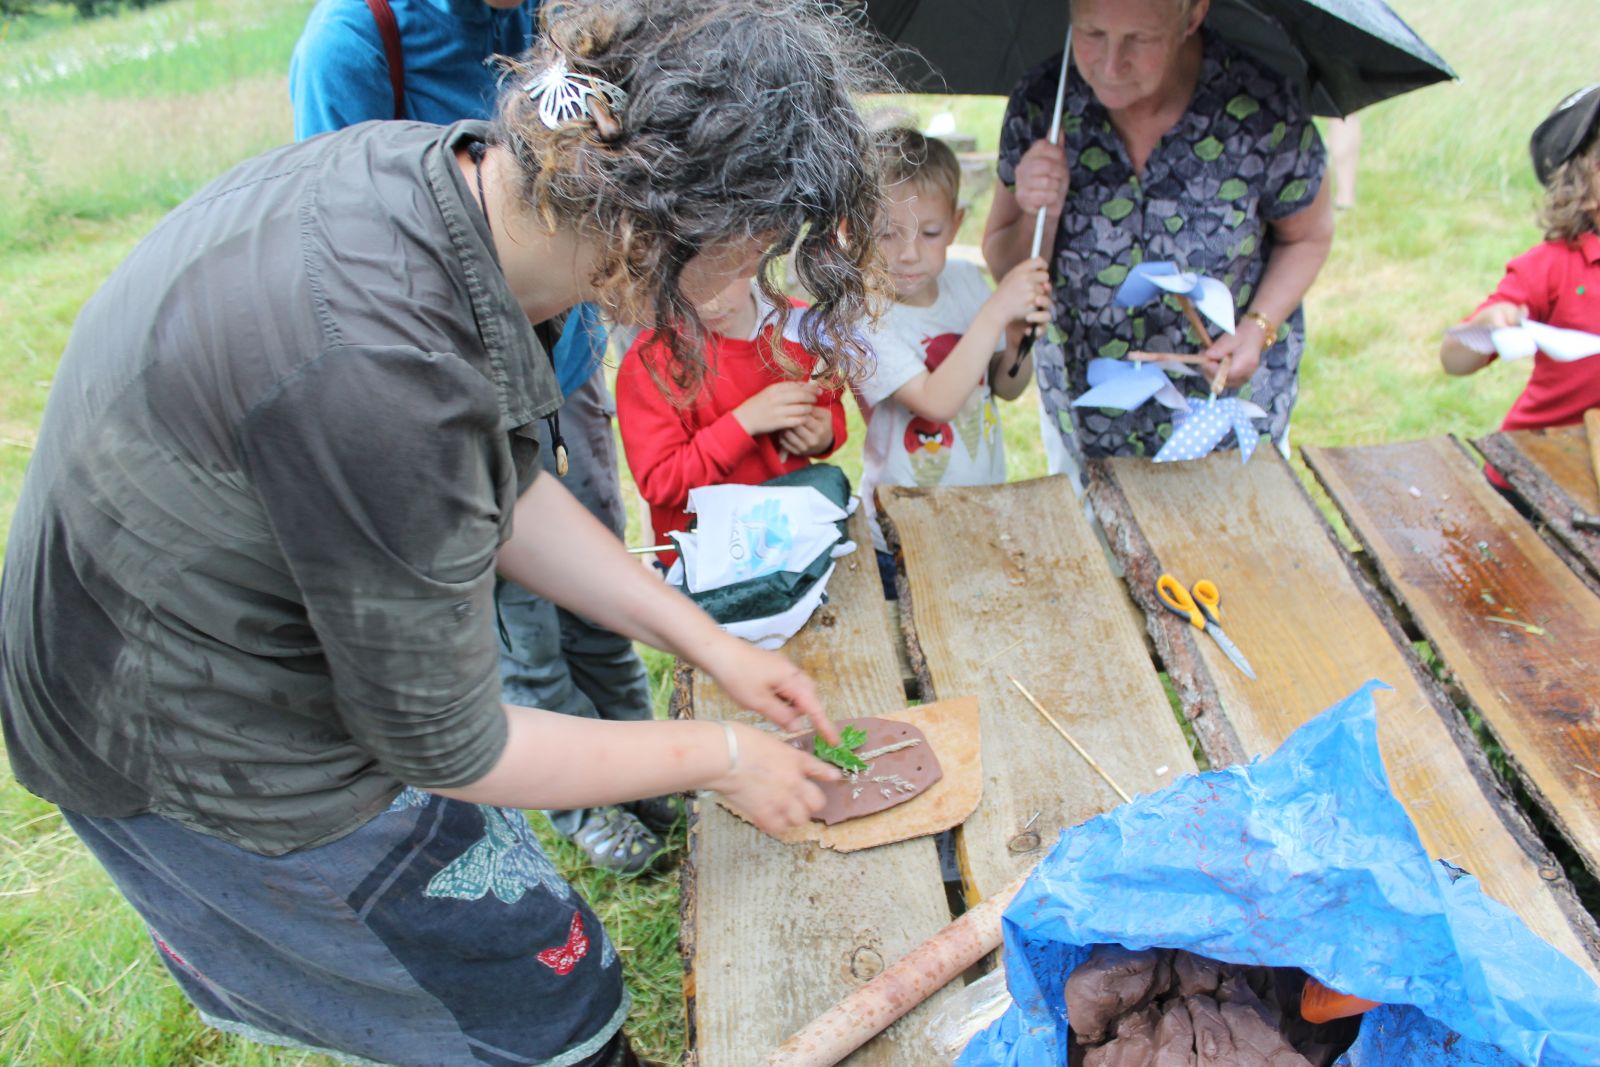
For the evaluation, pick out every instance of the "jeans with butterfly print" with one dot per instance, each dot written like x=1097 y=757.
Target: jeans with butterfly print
x=436 y=933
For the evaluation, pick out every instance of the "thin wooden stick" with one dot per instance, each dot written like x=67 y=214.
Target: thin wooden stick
x=1090 y=760
x=1164 y=357
x=1222 y=375
x=650 y=550
x=1591 y=425
x=1195 y=320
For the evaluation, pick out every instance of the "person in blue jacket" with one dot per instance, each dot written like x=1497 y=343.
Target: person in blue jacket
x=341 y=74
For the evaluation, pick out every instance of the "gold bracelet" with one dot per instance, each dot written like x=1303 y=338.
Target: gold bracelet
x=1269 y=332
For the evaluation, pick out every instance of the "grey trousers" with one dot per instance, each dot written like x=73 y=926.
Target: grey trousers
x=549 y=657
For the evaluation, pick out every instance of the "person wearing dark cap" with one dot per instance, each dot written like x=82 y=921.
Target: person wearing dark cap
x=1556 y=282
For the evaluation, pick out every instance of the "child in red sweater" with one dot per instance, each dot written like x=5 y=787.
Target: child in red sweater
x=752 y=419
x=1556 y=282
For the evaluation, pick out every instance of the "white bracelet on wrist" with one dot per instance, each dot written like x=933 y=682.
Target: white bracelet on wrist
x=733 y=746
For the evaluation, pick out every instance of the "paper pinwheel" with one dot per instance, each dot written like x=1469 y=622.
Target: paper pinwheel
x=1206 y=425
x=1521 y=342
x=1119 y=383
x=1148 y=281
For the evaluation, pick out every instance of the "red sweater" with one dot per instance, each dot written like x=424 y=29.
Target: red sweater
x=1560 y=284
x=673 y=449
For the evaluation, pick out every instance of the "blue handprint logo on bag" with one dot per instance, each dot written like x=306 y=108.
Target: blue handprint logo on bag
x=761 y=540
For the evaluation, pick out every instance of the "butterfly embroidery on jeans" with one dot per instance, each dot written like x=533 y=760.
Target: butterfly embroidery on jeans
x=565 y=957
x=507 y=862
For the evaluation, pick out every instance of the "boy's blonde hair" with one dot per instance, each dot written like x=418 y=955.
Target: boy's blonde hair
x=1572 y=197
x=907 y=155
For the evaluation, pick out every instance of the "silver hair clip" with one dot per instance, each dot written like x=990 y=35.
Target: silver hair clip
x=565 y=96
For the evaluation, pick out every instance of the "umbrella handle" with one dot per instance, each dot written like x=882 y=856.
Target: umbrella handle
x=1026 y=344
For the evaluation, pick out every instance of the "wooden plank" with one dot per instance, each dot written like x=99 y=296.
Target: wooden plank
x=1009 y=580
x=1552 y=471
x=1314 y=630
x=774 y=934
x=1518 y=630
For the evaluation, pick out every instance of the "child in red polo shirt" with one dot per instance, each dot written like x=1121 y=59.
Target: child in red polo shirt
x=756 y=415
x=1556 y=282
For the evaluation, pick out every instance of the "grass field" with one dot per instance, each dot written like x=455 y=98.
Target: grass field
x=105 y=125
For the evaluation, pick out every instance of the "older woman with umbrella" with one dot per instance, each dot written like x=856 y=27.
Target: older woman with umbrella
x=1175 y=145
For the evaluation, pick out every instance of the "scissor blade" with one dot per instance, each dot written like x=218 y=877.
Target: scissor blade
x=1231 y=650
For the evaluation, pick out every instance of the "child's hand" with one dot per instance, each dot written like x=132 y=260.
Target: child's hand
x=1023 y=295
x=1042 y=179
x=780 y=406
x=811 y=437
x=1500 y=316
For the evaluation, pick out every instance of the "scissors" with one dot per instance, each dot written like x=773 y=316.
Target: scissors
x=1201 y=609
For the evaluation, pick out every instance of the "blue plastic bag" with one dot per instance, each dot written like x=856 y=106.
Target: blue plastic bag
x=1301 y=859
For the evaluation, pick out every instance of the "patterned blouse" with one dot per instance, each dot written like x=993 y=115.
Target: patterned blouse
x=1244 y=155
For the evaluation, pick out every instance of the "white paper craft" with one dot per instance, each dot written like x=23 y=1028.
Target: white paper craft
x=1521 y=342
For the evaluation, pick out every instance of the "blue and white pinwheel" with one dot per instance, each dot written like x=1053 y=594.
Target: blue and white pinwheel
x=1148 y=281
x=1207 y=424
x=1124 y=384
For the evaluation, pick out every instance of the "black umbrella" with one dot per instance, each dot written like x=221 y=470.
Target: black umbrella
x=1341 y=54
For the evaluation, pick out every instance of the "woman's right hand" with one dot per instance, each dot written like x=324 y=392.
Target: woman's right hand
x=1042 y=179
x=774 y=784
x=780 y=406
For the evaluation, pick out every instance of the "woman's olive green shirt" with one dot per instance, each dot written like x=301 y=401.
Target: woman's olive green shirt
x=249 y=583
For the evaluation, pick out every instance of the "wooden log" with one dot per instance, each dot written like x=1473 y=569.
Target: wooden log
x=1009 y=580
x=774 y=934
x=1517 y=629
x=1553 y=472
x=908 y=982
x=1314 y=630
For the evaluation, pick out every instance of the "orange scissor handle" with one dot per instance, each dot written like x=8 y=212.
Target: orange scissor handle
x=1178 y=601
x=1210 y=598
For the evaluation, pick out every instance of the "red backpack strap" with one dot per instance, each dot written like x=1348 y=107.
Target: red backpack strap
x=389 y=30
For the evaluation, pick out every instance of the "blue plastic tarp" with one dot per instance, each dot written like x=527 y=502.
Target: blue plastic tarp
x=1300 y=859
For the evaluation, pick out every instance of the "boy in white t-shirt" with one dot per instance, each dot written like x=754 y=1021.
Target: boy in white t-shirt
x=946 y=347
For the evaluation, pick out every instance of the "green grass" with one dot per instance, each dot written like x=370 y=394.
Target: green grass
x=106 y=124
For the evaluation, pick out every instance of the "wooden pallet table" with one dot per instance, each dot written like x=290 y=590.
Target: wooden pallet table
x=774 y=934
x=1552 y=471
x=1009 y=581
x=1314 y=630
x=1514 y=625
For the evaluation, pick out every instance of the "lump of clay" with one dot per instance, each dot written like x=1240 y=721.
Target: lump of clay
x=1107 y=984
x=1196 y=974
x=1213 y=1042
x=1236 y=989
x=1174 y=1036
x=1134 y=1045
x=1255 y=1043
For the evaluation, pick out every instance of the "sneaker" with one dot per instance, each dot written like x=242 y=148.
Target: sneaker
x=661 y=814
x=615 y=840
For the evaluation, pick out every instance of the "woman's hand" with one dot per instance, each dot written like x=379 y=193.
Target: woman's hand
x=775 y=784
x=1243 y=346
x=1042 y=179
x=768 y=684
x=780 y=406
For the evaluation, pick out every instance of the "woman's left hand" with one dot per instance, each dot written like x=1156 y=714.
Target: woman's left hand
x=769 y=684
x=1244 y=346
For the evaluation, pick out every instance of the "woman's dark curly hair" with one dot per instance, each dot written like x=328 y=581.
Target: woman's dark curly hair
x=739 y=124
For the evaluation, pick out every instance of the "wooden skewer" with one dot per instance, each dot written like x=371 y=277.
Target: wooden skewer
x=1195 y=320
x=650 y=550
x=1090 y=760
x=1222 y=375
x=1164 y=357
x=1591 y=424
